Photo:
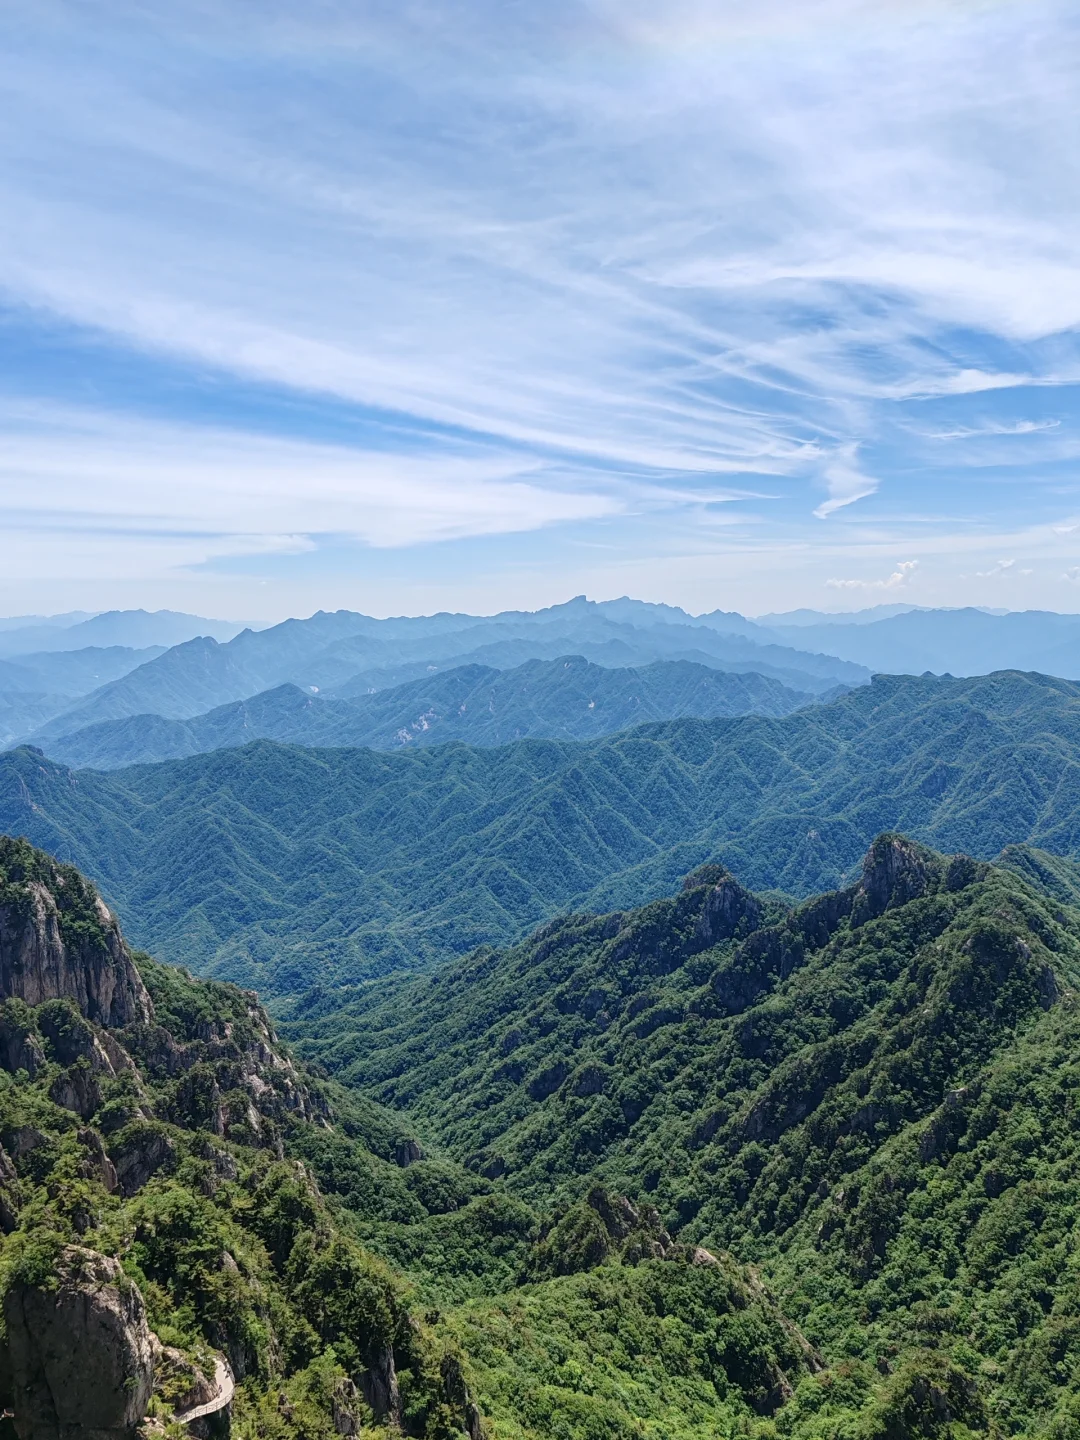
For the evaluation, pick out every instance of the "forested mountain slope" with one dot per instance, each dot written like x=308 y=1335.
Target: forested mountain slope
x=191 y=1222
x=872 y=1096
x=281 y=866
x=565 y=699
x=161 y=1240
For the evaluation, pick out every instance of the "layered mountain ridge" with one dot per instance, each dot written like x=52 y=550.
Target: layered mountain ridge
x=112 y=706
x=281 y=866
x=565 y=699
x=169 y=1263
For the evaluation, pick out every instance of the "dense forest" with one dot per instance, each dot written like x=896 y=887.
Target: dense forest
x=563 y=699
x=718 y=1165
x=277 y=866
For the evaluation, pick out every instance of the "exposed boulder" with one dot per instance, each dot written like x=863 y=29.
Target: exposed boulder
x=407 y=1152
x=78 y=1090
x=729 y=910
x=380 y=1387
x=178 y=1382
x=345 y=1407
x=23 y=1140
x=81 y=1354
x=457 y=1396
x=201 y=1403
x=96 y=1164
x=10 y=1197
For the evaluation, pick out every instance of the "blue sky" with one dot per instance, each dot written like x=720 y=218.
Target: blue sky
x=405 y=306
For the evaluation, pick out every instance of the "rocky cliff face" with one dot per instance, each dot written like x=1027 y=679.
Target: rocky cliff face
x=81 y=1354
x=162 y=1245
x=58 y=940
x=129 y=1084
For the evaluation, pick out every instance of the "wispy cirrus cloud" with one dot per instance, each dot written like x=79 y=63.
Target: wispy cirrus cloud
x=580 y=262
x=846 y=482
x=993 y=427
x=221 y=492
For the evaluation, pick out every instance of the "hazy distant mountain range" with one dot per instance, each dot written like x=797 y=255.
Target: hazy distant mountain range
x=130 y=686
x=136 y=629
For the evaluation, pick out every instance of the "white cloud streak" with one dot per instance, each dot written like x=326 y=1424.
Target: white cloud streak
x=538 y=269
x=904 y=571
x=846 y=482
x=703 y=250
x=1001 y=570
x=220 y=493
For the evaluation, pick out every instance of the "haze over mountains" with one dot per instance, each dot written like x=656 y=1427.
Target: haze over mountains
x=137 y=629
x=95 y=703
x=959 y=642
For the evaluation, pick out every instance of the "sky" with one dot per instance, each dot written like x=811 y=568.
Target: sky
x=481 y=304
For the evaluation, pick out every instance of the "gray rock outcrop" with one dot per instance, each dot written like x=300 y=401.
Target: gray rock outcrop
x=81 y=1355
x=380 y=1388
x=895 y=871
x=729 y=910
x=10 y=1197
x=90 y=964
x=139 y=1152
x=20 y=1045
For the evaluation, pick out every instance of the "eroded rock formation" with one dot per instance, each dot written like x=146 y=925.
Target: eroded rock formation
x=81 y=1354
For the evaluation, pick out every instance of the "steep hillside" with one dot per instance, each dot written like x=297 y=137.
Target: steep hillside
x=873 y=1097
x=161 y=1250
x=279 y=867
x=565 y=698
x=713 y=1167
x=1053 y=875
x=191 y=1228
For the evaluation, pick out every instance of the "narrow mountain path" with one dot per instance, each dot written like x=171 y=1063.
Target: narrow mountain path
x=223 y=1380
